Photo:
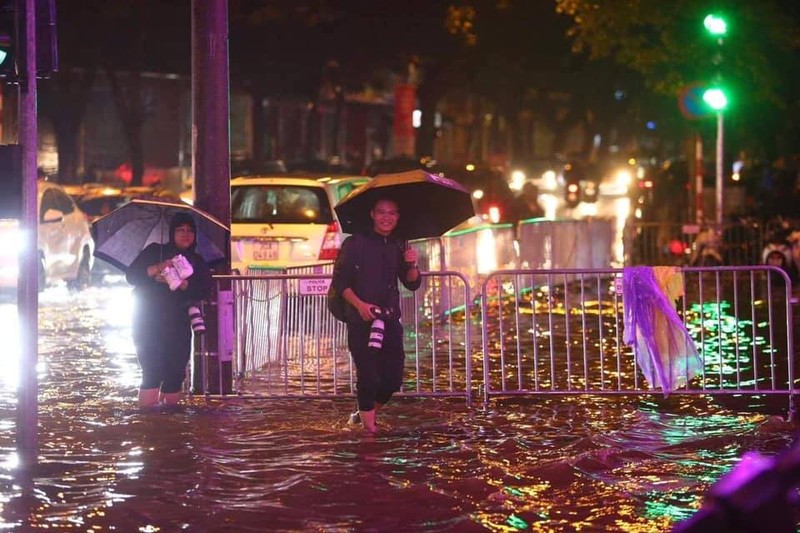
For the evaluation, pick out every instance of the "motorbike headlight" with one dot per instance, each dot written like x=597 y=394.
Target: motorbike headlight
x=518 y=178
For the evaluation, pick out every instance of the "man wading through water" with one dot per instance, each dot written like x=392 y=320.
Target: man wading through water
x=366 y=274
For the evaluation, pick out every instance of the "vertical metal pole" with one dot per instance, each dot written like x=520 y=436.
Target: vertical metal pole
x=698 y=178
x=720 y=165
x=211 y=167
x=28 y=284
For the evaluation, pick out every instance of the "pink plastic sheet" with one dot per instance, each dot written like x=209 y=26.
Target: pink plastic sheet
x=664 y=350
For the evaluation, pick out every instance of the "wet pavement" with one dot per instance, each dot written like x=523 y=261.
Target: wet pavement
x=538 y=464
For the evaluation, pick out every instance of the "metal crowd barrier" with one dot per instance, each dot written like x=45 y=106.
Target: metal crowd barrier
x=545 y=244
x=473 y=252
x=289 y=345
x=561 y=332
x=660 y=243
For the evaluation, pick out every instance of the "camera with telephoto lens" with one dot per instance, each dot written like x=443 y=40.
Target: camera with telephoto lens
x=377 y=329
x=196 y=320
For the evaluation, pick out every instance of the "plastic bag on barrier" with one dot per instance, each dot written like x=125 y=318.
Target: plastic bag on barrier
x=665 y=352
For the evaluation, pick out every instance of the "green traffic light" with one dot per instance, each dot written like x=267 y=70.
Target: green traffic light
x=715 y=98
x=3 y=56
x=715 y=24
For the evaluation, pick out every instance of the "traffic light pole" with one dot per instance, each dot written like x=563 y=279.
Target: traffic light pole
x=720 y=167
x=28 y=284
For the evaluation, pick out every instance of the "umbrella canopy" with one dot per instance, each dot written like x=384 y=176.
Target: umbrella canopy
x=429 y=204
x=120 y=235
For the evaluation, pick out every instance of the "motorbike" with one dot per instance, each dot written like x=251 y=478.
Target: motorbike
x=782 y=248
x=706 y=248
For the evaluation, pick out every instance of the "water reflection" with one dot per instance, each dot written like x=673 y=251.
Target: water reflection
x=243 y=465
x=9 y=332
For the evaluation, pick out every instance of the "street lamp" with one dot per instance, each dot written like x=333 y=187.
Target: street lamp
x=715 y=98
x=715 y=24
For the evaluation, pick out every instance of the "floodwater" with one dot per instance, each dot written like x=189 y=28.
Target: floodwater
x=540 y=464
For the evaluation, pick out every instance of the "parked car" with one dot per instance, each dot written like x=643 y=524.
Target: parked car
x=280 y=221
x=64 y=243
x=101 y=201
x=249 y=167
x=394 y=165
x=340 y=186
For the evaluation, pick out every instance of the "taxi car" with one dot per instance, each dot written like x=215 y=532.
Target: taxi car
x=283 y=221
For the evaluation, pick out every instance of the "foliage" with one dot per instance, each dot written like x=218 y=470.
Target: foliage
x=667 y=44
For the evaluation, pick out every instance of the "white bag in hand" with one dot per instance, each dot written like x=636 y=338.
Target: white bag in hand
x=183 y=266
x=172 y=277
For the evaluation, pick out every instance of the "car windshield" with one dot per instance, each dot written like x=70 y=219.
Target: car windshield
x=280 y=204
x=102 y=205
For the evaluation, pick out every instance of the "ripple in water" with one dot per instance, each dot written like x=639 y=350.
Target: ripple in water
x=603 y=464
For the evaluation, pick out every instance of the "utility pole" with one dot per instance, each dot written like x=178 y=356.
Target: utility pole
x=211 y=171
x=717 y=100
x=28 y=284
x=720 y=168
x=211 y=168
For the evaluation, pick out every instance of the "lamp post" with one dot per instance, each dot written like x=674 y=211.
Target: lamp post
x=717 y=100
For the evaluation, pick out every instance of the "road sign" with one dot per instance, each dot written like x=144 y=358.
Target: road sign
x=316 y=286
x=691 y=102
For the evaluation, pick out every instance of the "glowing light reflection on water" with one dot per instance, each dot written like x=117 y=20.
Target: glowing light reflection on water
x=246 y=465
x=9 y=332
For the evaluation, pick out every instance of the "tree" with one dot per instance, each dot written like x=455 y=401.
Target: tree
x=63 y=100
x=361 y=37
x=666 y=43
x=122 y=39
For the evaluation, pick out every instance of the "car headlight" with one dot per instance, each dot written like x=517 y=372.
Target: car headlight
x=549 y=180
x=623 y=178
x=518 y=178
x=13 y=239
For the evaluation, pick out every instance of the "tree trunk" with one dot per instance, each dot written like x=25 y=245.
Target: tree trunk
x=259 y=125
x=67 y=138
x=63 y=100
x=336 y=146
x=130 y=108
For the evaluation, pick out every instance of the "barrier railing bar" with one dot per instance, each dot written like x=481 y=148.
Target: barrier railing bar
x=567 y=331
x=736 y=331
x=550 y=325
x=518 y=330
x=618 y=335
x=720 y=354
x=585 y=335
x=601 y=332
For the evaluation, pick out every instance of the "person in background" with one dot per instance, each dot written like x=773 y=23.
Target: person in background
x=161 y=327
x=366 y=274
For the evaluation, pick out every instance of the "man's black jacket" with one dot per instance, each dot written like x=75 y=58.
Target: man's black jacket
x=370 y=264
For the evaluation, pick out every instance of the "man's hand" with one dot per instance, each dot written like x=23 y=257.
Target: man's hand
x=154 y=271
x=410 y=256
x=365 y=311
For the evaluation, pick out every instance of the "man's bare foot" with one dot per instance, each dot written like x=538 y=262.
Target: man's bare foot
x=368 y=419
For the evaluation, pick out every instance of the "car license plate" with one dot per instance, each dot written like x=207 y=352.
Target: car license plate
x=265 y=250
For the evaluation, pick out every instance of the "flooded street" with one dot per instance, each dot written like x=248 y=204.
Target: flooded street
x=538 y=464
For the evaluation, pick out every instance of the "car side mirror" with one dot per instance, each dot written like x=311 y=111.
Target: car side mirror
x=52 y=215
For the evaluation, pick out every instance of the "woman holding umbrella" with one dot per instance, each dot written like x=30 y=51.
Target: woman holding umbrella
x=366 y=274
x=161 y=327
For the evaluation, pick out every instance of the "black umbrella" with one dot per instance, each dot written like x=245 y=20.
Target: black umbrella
x=429 y=204
x=120 y=235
